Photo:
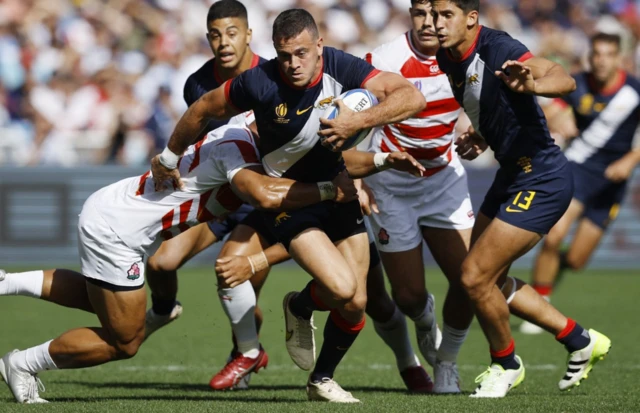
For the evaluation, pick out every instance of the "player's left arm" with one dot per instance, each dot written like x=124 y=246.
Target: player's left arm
x=398 y=98
x=236 y=269
x=537 y=76
x=362 y=164
x=622 y=169
x=282 y=194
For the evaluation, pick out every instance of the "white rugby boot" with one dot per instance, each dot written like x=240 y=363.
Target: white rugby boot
x=328 y=390
x=446 y=378
x=496 y=382
x=153 y=322
x=580 y=362
x=24 y=386
x=300 y=337
x=530 y=328
x=3 y=275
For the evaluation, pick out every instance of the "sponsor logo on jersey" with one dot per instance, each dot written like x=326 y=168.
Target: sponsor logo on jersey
x=283 y=216
x=134 y=272
x=383 y=236
x=281 y=112
x=434 y=68
x=300 y=112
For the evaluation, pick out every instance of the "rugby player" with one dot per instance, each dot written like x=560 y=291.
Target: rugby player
x=122 y=224
x=288 y=95
x=606 y=112
x=495 y=79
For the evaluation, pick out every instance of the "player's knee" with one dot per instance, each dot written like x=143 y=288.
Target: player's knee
x=358 y=303
x=475 y=281
x=126 y=349
x=410 y=301
x=552 y=241
x=162 y=263
x=344 y=291
x=575 y=264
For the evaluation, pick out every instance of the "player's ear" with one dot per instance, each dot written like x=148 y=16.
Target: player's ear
x=249 y=36
x=472 y=18
x=319 y=45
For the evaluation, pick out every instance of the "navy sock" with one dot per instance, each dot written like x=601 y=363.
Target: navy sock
x=303 y=305
x=574 y=337
x=506 y=358
x=339 y=335
x=161 y=306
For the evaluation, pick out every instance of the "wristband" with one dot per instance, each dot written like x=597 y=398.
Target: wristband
x=380 y=161
x=327 y=190
x=258 y=262
x=169 y=159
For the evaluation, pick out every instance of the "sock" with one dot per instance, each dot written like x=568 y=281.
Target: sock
x=574 y=337
x=395 y=334
x=339 y=335
x=544 y=290
x=452 y=340
x=162 y=306
x=34 y=360
x=27 y=283
x=427 y=320
x=506 y=358
x=306 y=302
x=239 y=304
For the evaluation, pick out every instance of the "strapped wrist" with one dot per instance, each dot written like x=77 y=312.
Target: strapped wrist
x=168 y=159
x=380 y=161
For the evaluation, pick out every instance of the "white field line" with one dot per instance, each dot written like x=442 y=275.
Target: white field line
x=350 y=367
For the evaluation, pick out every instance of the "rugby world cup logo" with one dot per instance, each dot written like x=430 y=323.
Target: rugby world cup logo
x=281 y=112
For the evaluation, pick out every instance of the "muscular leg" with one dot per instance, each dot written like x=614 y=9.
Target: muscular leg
x=162 y=267
x=59 y=286
x=405 y=270
x=547 y=265
x=586 y=240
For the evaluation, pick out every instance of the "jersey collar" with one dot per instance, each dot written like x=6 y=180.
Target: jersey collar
x=611 y=90
x=469 y=51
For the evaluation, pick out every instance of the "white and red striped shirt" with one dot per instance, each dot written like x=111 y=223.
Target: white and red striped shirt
x=428 y=136
x=143 y=217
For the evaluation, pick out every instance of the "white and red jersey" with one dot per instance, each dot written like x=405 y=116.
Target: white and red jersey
x=143 y=217
x=428 y=136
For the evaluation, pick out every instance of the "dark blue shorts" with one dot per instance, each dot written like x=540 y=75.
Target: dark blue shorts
x=255 y=220
x=534 y=204
x=338 y=221
x=601 y=197
x=220 y=229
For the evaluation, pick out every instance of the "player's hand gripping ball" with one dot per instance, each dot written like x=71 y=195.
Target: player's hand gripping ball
x=333 y=127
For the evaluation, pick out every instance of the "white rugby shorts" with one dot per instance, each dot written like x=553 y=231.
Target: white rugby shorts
x=408 y=203
x=103 y=255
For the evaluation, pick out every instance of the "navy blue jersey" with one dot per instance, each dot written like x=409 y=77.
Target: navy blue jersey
x=287 y=117
x=205 y=80
x=607 y=120
x=513 y=124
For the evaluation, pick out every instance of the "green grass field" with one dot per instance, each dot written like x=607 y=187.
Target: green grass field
x=171 y=371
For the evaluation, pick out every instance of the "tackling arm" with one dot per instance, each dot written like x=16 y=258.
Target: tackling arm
x=362 y=164
x=551 y=80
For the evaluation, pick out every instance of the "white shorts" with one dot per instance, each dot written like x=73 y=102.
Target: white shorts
x=104 y=257
x=439 y=201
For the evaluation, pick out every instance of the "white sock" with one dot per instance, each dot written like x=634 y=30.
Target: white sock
x=452 y=340
x=427 y=320
x=23 y=283
x=395 y=335
x=34 y=360
x=239 y=304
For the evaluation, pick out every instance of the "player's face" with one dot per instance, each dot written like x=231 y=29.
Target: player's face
x=229 y=39
x=424 y=31
x=299 y=57
x=605 y=60
x=451 y=22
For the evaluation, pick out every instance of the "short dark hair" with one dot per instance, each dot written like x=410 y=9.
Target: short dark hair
x=292 y=22
x=465 y=5
x=607 y=38
x=226 y=8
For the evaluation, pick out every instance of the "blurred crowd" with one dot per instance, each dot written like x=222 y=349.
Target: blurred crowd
x=101 y=81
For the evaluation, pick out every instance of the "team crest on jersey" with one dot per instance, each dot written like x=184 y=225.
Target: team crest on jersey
x=134 y=272
x=383 y=237
x=473 y=80
x=283 y=216
x=281 y=112
x=324 y=103
x=434 y=68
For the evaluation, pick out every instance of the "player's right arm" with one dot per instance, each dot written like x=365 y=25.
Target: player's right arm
x=213 y=104
x=254 y=187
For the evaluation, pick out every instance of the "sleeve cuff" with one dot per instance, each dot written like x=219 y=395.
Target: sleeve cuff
x=227 y=95
x=373 y=73
x=525 y=57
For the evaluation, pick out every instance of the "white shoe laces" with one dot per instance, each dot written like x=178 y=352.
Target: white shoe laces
x=33 y=384
x=305 y=332
x=330 y=385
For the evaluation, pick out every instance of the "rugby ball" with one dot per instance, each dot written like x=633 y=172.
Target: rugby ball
x=357 y=100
